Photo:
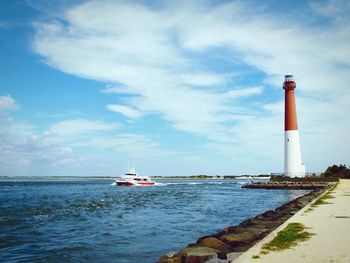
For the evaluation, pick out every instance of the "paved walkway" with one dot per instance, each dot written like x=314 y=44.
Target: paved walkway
x=329 y=222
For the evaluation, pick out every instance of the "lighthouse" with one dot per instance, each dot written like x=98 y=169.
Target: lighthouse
x=293 y=165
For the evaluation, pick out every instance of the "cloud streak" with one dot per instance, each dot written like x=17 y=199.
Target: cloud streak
x=141 y=55
x=7 y=103
x=68 y=146
x=166 y=58
x=75 y=127
x=126 y=111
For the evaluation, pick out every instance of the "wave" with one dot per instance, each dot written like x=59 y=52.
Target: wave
x=159 y=184
x=186 y=183
x=195 y=183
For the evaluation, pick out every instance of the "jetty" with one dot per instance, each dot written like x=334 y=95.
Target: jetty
x=322 y=218
x=289 y=185
x=292 y=183
x=326 y=219
x=232 y=241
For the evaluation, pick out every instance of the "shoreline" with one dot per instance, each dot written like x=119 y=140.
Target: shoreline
x=180 y=177
x=232 y=241
x=327 y=221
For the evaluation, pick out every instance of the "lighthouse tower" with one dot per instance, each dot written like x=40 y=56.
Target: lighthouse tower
x=293 y=165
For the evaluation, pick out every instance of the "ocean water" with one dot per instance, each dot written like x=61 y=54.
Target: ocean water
x=93 y=221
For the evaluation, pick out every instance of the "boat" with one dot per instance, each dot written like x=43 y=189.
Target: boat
x=131 y=178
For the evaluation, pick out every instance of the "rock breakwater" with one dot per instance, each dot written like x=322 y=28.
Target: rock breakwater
x=241 y=237
x=291 y=185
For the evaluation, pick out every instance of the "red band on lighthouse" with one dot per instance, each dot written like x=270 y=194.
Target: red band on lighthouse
x=290 y=118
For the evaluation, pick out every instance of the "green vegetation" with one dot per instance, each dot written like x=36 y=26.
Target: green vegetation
x=287 y=238
x=308 y=210
x=336 y=171
x=322 y=200
x=255 y=256
x=319 y=201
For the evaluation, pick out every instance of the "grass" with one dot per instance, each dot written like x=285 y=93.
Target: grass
x=287 y=238
x=308 y=210
x=255 y=256
x=322 y=200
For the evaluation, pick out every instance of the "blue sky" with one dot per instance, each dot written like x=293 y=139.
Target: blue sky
x=178 y=87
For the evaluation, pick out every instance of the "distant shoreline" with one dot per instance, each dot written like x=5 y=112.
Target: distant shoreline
x=56 y=177
x=189 y=177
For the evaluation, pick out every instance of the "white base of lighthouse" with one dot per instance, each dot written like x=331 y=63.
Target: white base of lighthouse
x=293 y=165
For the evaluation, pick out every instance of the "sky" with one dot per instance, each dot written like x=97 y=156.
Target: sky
x=176 y=87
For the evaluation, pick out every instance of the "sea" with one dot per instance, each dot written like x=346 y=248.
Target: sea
x=90 y=220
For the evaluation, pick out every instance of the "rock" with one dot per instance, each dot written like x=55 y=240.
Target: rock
x=239 y=238
x=271 y=216
x=286 y=185
x=246 y=223
x=215 y=243
x=197 y=254
x=268 y=213
x=170 y=258
x=241 y=241
x=171 y=254
x=264 y=224
x=228 y=230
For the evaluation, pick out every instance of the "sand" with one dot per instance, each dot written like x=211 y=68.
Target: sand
x=330 y=224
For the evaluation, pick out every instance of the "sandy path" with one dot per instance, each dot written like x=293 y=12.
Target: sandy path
x=329 y=222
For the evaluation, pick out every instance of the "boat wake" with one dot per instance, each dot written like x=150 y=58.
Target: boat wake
x=137 y=185
x=187 y=183
x=195 y=183
x=159 y=184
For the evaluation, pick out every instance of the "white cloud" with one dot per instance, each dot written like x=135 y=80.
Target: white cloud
x=70 y=147
x=23 y=161
x=239 y=93
x=140 y=54
x=113 y=89
x=23 y=150
x=203 y=79
x=81 y=133
x=79 y=127
x=129 y=144
x=127 y=111
x=159 y=56
x=7 y=103
x=336 y=9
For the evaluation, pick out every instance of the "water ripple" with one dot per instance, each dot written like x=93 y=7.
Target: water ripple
x=90 y=220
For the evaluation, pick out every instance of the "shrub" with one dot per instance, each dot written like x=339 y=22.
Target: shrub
x=340 y=171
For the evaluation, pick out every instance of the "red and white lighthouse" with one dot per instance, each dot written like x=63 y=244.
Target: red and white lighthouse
x=293 y=165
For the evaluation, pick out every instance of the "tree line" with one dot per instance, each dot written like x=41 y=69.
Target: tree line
x=340 y=171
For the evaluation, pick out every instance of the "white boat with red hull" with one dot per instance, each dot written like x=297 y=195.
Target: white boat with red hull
x=131 y=178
